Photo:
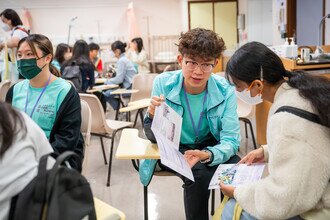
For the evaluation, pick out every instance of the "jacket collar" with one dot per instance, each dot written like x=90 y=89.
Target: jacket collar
x=214 y=96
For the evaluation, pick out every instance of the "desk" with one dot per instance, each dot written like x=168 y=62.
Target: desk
x=101 y=88
x=158 y=66
x=124 y=91
x=131 y=146
x=100 y=80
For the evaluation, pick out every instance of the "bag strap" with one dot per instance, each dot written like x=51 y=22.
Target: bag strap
x=301 y=113
x=218 y=211
x=22 y=29
x=52 y=175
x=237 y=212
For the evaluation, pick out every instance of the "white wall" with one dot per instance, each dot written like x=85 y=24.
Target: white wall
x=52 y=17
x=327 y=23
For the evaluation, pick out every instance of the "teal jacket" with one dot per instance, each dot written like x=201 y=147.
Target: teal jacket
x=221 y=115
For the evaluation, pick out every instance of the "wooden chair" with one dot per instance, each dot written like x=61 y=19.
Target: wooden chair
x=103 y=127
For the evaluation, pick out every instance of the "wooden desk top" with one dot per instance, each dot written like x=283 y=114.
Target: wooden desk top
x=124 y=91
x=290 y=64
x=131 y=146
x=101 y=88
x=100 y=80
x=143 y=103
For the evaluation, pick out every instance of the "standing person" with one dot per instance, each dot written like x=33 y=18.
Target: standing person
x=124 y=74
x=12 y=22
x=50 y=101
x=93 y=55
x=62 y=54
x=80 y=57
x=298 y=150
x=22 y=143
x=207 y=103
x=138 y=55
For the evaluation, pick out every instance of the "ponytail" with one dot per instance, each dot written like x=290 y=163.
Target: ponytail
x=316 y=89
x=54 y=71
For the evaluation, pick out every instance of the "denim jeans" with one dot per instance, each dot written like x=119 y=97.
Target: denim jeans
x=228 y=212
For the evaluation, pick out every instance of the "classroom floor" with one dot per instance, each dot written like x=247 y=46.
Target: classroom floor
x=126 y=192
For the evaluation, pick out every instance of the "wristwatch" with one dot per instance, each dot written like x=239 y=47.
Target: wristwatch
x=209 y=159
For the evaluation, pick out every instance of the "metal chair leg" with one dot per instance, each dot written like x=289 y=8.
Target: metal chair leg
x=246 y=131
x=145 y=196
x=103 y=151
x=110 y=157
x=212 y=201
x=252 y=134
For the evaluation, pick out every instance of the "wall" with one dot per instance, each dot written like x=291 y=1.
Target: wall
x=327 y=23
x=309 y=14
x=105 y=20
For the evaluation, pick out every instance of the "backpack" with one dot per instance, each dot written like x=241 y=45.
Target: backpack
x=301 y=113
x=59 y=193
x=73 y=74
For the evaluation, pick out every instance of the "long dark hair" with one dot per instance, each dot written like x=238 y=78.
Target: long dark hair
x=247 y=61
x=12 y=15
x=10 y=123
x=139 y=43
x=44 y=44
x=61 y=49
x=80 y=54
x=118 y=45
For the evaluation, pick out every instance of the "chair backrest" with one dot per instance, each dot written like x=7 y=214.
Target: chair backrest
x=244 y=110
x=143 y=82
x=86 y=121
x=99 y=125
x=4 y=87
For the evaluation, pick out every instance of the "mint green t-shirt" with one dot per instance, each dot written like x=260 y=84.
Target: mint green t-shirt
x=188 y=135
x=46 y=109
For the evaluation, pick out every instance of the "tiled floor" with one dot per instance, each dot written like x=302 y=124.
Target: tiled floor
x=126 y=192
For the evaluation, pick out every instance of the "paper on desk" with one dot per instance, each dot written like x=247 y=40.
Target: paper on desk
x=236 y=174
x=166 y=126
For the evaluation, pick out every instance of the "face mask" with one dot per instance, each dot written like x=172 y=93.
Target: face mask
x=246 y=97
x=29 y=68
x=5 y=27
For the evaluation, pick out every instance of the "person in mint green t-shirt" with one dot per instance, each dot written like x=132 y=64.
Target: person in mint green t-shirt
x=207 y=103
x=50 y=101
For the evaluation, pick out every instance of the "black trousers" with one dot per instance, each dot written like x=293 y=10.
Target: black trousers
x=196 y=194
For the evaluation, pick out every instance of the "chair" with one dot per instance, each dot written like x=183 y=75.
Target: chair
x=86 y=125
x=105 y=211
x=4 y=87
x=132 y=147
x=245 y=111
x=103 y=127
x=140 y=100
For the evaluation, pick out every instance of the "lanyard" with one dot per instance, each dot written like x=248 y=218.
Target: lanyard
x=27 y=97
x=196 y=130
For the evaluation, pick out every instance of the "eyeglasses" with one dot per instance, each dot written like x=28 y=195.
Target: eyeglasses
x=205 y=67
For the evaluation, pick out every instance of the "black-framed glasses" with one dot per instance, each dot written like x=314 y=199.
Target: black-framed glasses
x=205 y=67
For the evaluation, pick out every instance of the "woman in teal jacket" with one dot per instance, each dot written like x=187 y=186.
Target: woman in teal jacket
x=207 y=103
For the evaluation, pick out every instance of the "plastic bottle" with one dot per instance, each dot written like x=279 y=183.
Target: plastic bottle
x=293 y=48
x=286 y=50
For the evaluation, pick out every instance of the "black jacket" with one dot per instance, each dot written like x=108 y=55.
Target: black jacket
x=65 y=134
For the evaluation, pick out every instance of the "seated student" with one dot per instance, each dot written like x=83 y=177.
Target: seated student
x=138 y=55
x=50 y=101
x=62 y=54
x=22 y=143
x=298 y=150
x=93 y=55
x=80 y=57
x=207 y=103
x=124 y=74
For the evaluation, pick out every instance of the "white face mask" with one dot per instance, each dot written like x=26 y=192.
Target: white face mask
x=5 y=27
x=246 y=97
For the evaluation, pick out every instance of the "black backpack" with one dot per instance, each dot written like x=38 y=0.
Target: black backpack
x=59 y=193
x=73 y=73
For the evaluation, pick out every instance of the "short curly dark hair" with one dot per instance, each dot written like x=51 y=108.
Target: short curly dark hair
x=202 y=43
